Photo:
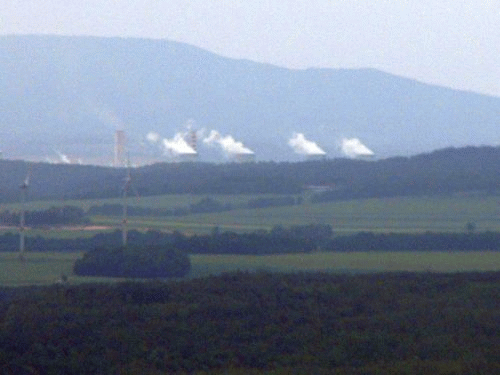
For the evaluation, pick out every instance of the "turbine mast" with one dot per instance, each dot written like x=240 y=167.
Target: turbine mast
x=24 y=188
x=126 y=187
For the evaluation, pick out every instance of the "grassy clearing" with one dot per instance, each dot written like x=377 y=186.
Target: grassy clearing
x=42 y=269
x=58 y=232
x=38 y=268
x=351 y=262
x=47 y=268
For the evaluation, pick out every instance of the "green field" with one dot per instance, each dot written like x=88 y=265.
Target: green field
x=402 y=214
x=159 y=201
x=410 y=215
x=47 y=268
x=351 y=262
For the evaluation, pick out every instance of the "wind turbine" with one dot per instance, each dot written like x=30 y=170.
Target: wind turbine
x=126 y=187
x=24 y=187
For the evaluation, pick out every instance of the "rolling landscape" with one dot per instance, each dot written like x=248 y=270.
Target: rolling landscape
x=258 y=219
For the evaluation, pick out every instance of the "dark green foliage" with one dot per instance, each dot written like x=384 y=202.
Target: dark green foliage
x=10 y=242
x=117 y=210
x=204 y=205
x=447 y=171
x=209 y=205
x=52 y=216
x=279 y=240
x=310 y=323
x=367 y=241
x=296 y=239
x=470 y=227
x=140 y=262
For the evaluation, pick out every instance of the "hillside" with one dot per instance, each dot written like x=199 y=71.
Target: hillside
x=68 y=95
x=447 y=171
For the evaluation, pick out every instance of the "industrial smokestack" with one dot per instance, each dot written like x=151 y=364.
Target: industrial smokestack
x=191 y=135
x=193 y=140
x=120 y=140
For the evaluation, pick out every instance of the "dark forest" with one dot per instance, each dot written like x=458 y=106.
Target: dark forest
x=446 y=171
x=257 y=323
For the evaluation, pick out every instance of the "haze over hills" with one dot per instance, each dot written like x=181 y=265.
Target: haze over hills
x=66 y=97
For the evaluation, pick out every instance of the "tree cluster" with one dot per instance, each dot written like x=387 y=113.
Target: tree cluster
x=139 y=262
x=52 y=216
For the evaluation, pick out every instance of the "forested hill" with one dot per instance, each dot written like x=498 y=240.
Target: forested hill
x=446 y=171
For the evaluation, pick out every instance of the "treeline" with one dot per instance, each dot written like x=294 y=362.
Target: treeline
x=137 y=262
x=296 y=239
x=429 y=241
x=304 y=323
x=70 y=215
x=52 y=216
x=279 y=240
x=204 y=205
x=320 y=238
x=447 y=171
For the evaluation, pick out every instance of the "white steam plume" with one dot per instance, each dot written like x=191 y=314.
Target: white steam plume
x=301 y=145
x=153 y=137
x=174 y=146
x=178 y=145
x=353 y=148
x=190 y=128
x=213 y=137
x=228 y=144
x=63 y=157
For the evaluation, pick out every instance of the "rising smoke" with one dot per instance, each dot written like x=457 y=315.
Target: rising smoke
x=228 y=144
x=302 y=146
x=153 y=137
x=174 y=147
x=63 y=158
x=178 y=145
x=353 y=148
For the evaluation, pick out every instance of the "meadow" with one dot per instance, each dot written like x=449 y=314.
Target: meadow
x=47 y=268
x=397 y=215
x=402 y=214
x=169 y=201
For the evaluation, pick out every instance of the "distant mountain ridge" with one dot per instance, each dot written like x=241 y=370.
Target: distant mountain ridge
x=68 y=95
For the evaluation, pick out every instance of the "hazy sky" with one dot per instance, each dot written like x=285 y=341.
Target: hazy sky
x=451 y=43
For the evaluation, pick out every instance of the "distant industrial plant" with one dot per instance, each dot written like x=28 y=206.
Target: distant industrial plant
x=184 y=147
